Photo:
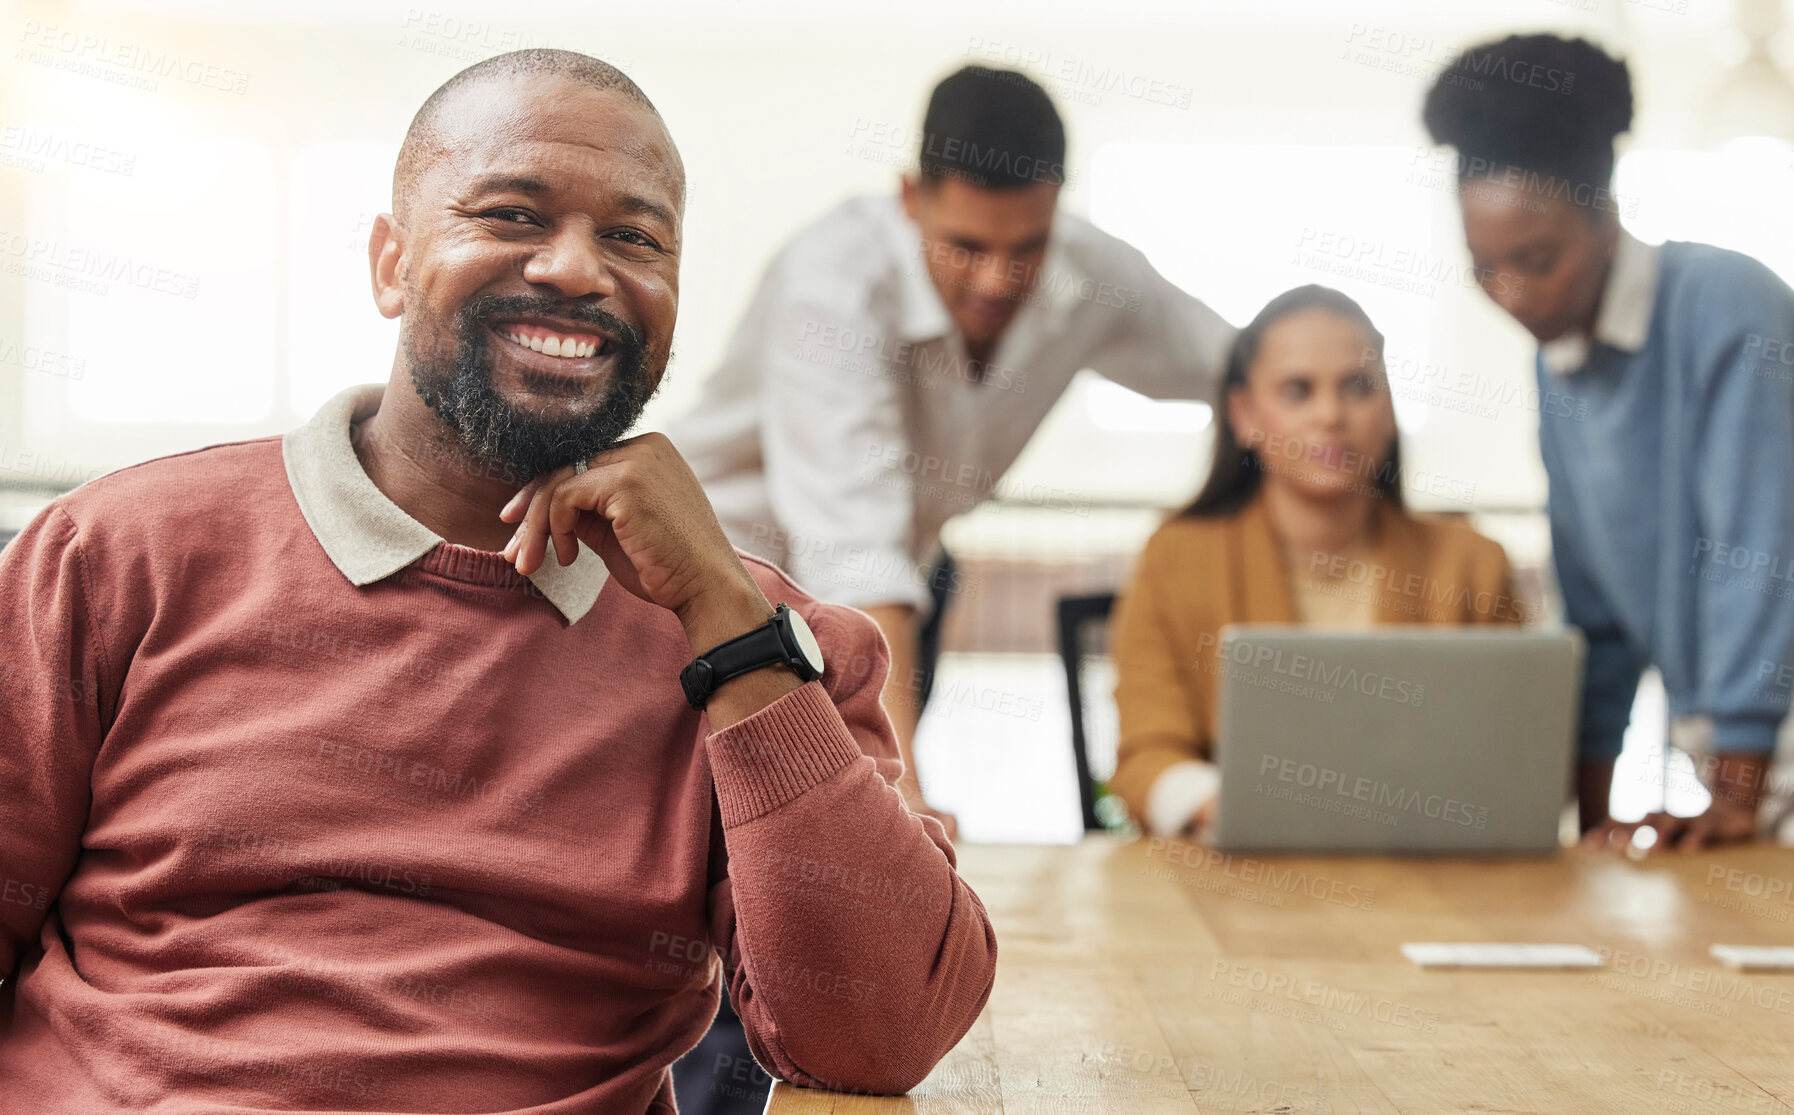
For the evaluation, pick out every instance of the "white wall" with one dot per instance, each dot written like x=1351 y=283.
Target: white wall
x=257 y=198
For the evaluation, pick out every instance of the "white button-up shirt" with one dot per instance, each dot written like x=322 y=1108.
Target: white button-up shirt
x=846 y=424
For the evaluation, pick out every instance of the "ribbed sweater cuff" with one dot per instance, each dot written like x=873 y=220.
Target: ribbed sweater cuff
x=778 y=753
x=1745 y=733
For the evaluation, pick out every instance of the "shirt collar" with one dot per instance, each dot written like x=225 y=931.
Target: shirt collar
x=1624 y=319
x=922 y=316
x=367 y=536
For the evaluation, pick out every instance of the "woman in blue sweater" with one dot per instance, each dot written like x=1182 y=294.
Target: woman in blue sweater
x=1669 y=444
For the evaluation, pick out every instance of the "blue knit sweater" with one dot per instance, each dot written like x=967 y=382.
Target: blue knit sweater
x=1671 y=486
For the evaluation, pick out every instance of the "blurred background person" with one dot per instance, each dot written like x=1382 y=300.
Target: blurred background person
x=900 y=352
x=1303 y=494
x=1672 y=454
x=894 y=360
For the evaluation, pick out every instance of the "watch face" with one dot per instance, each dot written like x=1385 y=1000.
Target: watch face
x=806 y=641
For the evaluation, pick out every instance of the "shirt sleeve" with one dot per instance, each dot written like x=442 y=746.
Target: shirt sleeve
x=856 y=956
x=52 y=679
x=1162 y=341
x=1744 y=503
x=1161 y=731
x=835 y=445
x=1612 y=665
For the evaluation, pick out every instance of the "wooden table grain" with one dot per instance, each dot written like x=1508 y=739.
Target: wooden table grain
x=1153 y=976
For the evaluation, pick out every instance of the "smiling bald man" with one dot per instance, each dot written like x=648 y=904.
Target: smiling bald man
x=442 y=755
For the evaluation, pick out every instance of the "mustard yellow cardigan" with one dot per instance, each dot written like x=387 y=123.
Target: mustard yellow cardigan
x=1198 y=575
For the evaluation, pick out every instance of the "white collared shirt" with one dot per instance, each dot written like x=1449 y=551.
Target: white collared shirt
x=1624 y=319
x=367 y=536
x=844 y=426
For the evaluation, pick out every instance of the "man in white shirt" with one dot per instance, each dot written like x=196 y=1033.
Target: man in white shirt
x=901 y=351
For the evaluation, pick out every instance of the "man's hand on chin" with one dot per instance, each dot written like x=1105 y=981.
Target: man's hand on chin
x=640 y=508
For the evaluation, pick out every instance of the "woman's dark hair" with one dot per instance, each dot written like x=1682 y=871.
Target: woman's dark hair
x=1537 y=104
x=1235 y=473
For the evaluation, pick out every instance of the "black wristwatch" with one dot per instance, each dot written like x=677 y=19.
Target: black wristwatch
x=783 y=640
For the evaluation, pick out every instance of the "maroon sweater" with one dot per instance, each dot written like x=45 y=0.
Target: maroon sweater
x=272 y=842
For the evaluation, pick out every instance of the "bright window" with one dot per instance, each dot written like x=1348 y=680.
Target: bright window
x=335 y=336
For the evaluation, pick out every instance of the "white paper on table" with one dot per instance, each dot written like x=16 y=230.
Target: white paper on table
x=1499 y=955
x=1755 y=958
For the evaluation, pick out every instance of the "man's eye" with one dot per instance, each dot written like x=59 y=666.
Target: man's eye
x=1539 y=265
x=511 y=216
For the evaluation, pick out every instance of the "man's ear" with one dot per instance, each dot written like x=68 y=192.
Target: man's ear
x=910 y=189
x=386 y=265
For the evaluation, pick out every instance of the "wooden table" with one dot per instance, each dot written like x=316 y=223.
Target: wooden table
x=1163 y=977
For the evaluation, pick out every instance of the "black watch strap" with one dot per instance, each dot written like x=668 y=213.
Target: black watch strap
x=763 y=646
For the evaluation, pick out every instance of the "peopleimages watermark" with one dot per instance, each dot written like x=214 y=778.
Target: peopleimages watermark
x=1330 y=1005
x=224 y=1057
x=1775 y=681
x=1210 y=1085
x=849 y=564
x=1733 y=566
x=1079 y=79
x=1419 y=56
x=688 y=958
x=295 y=645
x=1752 y=884
x=87 y=270
x=25 y=147
x=1467 y=391
x=1428 y=595
x=1770 y=357
x=903 y=146
x=413 y=777
x=1698 y=1095
x=750 y=1080
x=40 y=466
x=1036 y=284
x=1278 y=880
x=1444 y=168
x=852 y=885
x=35 y=358
x=1724 y=777
x=1362 y=473
x=33 y=896
x=1706 y=990
x=961 y=482
x=1336 y=677
x=120 y=61
x=1344 y=786
x=872 y=353
x=1399 y=268
x=432 y=31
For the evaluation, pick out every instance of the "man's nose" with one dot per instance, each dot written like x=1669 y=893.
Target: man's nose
x=996 y=275
x=573 y=263
x=1510 y=293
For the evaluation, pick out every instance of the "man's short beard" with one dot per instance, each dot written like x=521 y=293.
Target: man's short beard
x=501 y=435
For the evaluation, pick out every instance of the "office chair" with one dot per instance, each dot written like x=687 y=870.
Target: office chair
x=1083 y=643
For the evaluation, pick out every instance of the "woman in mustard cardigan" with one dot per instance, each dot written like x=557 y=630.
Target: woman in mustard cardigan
x=1301 y=521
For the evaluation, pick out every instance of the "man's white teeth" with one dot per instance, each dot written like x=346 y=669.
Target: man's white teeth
x=555 y=346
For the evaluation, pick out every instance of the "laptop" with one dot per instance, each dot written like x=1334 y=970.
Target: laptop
x=1407 y=740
